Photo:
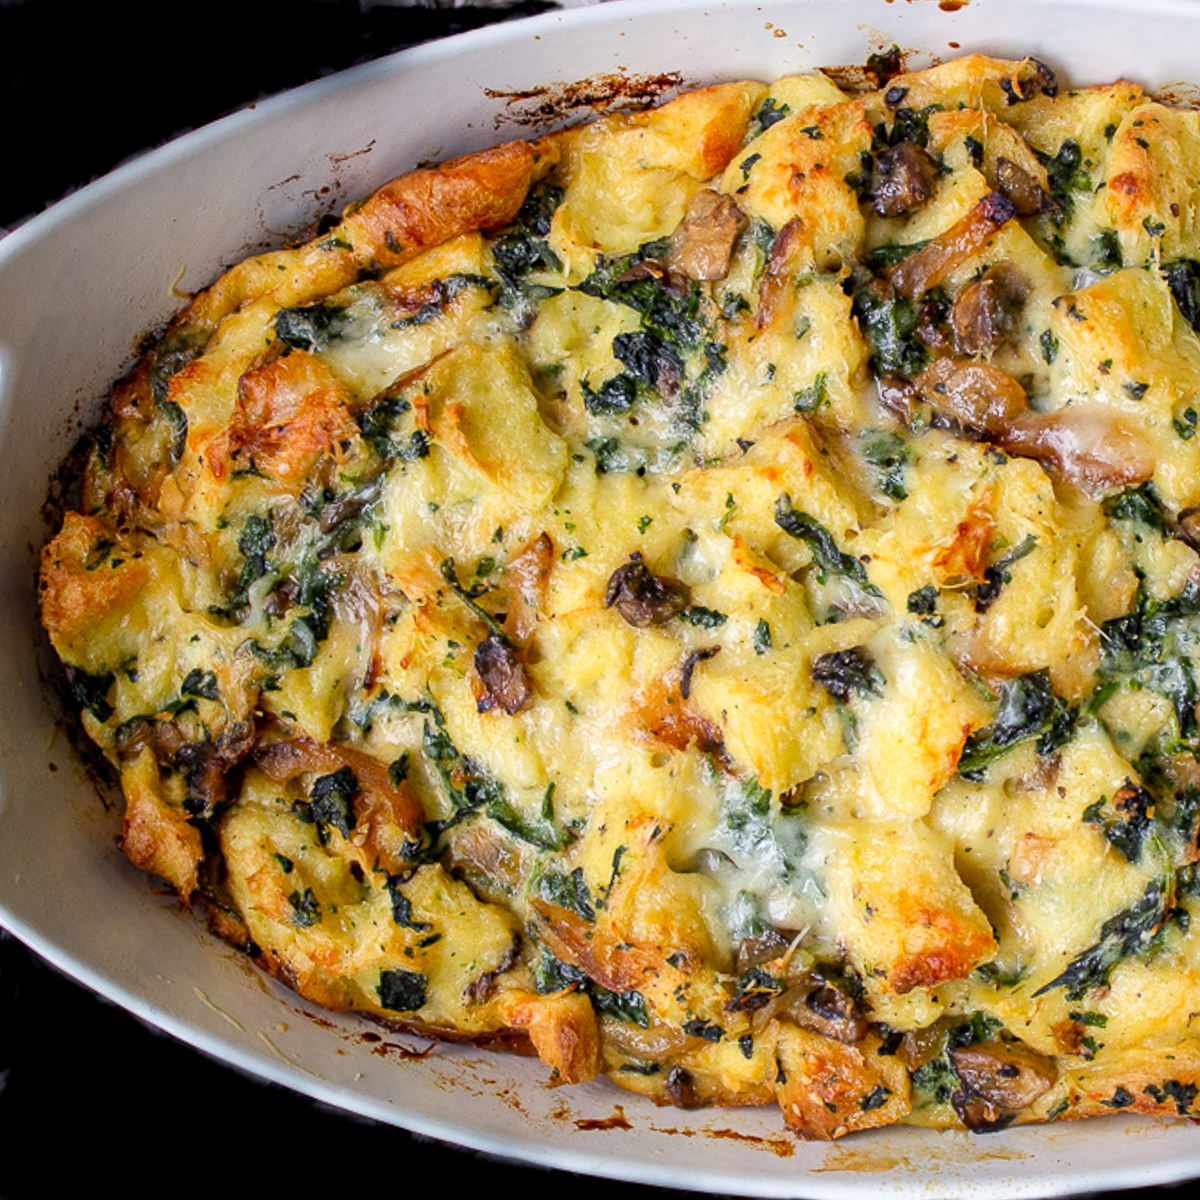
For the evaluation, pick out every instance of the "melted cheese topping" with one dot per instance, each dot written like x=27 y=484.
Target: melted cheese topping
x=711 y=595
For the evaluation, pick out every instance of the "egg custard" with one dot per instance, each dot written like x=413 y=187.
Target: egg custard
x=709 y=597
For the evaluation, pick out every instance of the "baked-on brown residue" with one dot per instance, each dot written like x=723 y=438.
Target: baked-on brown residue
x=781 y=1147
x=384 y=1048
x=858 y=78
x=543 y=106
x=618 y=1120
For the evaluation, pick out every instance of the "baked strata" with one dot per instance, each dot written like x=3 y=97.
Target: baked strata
x=709 y=597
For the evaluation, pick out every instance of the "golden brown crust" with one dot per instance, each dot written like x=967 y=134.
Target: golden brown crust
x=289 y=412
x=427 y=207
x=156 y=836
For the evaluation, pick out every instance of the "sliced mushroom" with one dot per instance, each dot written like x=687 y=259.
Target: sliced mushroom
x=760 y=948
x=681 y=1088
x=203 y=765
x=505 y=684
x=978 y=397
x=1032 y=78
x=775 y=282
x=1001 y=1078
x=897 y=396
x=386 y=806
x=925 y=268
x=979 y=1115
x=690 y=663
x=527 y=578
x=1022 y=189
x=1094 y=449
x=815 y=1003
x=702 y=244
x=904 y=180
x=985 y=314
x=643 y=598
x=672 y=281
x=830 y=1011
x=1187 y=526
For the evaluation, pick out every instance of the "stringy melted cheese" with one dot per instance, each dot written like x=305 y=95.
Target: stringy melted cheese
x=565 y=604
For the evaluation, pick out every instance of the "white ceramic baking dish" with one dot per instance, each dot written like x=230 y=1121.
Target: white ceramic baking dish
x=81 y=282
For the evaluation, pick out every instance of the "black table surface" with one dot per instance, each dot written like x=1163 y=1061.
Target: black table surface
x=89 y=1094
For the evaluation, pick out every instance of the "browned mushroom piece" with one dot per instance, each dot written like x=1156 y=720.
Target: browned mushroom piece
x=643 y=598
x=204 y=765
x=702 y=243
x=904 y=180
x=999 y=1079
x=979 y=1115
x=1097 y=450
x=978 y=397
x=986 y=313
x=1032 y=78
x=527 y=578
x=776 y=278
x=913 y=276
x=690 y=663
x=1013 y=181
x=380 y=794
x=898 y=396
x=681 y=1088
x=502 y=675
x=832 y=1012
x=760 y=947
x=1187 y=526
x=671 y=280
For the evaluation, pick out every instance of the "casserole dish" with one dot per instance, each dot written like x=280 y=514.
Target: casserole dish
x=145 y=946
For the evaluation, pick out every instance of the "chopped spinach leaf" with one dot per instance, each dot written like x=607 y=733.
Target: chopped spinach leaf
x=402 y=912
x=306 y=909
x=402 y=991
x=615 y=395
x=1154 y=646
x=829 y=559
x=522 y=249
x=845 y=674
x=91 y=691
x=177 y=423
x=1126 y=819
x=889 y=323
x=387 y=431
x=648 y=357
x=331 y=803
x=201 y=684
x=311 y=326
x=887 y=453
x=703 y=618
x=770 y=112
x=999 y=573
x=1140 y=504
x=671 y=313
x=1028 y=709
x=1183 y=278
x=762 y=636
x=567 y=891
x=1127 y=934
x=813 y=397
x=1066 y=174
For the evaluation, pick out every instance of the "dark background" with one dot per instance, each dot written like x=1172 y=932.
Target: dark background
x=89 y=1095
